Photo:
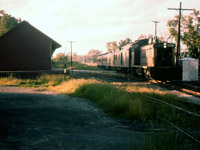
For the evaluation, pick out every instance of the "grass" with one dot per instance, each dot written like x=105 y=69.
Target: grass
x=134 y=106
x=112 y=100
x=115 y=101
x=163 y=96
x=75 y=65
x=9 y=81
x=123 y=100
x=70 y=86
x=169 y=140
x=43 y=81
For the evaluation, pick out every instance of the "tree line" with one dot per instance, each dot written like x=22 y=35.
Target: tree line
x=7 y=22
x=113 y=45
x=190 y=33
x=90 y=57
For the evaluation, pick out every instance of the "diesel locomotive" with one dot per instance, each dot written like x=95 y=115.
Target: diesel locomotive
x=153 y=60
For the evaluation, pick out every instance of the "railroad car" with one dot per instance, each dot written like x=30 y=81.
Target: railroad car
x=104 y=61
x=153 y=60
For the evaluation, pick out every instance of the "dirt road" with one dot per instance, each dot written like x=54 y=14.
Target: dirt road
x=32 y=119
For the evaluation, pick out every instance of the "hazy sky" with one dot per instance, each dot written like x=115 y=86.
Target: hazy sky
x=92 y=23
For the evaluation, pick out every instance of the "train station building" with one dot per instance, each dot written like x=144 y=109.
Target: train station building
x=26 y=48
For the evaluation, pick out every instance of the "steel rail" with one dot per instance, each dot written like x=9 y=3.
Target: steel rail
x=173 y=125
x=183 y=131
x=152 y=99
x=158 y=101
x=171 y=105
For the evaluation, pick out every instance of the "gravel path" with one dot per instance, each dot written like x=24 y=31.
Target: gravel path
x=34 y=119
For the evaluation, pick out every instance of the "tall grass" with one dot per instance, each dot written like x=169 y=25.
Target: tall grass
x=112 y=100
x=121 y=100
x=118 y=102
x=42 y=81
x=75 y=65
x=9 y=81
x=162 y=95
x=70 y=86
x=125 y=101
x=135 y=106
x=169 y=140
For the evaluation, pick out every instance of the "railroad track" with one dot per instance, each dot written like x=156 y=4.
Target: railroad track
x=179 y=109
x=110 y=76
x=192 y=88
x=113 y=76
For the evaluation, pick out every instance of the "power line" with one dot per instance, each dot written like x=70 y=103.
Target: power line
x=71 y=50
x=179 y=32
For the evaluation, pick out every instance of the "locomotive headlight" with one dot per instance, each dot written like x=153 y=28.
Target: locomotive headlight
x=165 y=45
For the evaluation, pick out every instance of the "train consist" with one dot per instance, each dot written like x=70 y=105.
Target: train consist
x=153 y=60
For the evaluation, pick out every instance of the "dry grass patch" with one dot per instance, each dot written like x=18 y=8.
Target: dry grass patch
x=9 y=81
x=143 y=89
x=69 y=87
x=42 y=81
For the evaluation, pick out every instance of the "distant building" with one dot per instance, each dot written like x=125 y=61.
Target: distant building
x=26 y=48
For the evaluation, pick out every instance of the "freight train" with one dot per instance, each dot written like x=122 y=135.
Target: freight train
x=153 y=60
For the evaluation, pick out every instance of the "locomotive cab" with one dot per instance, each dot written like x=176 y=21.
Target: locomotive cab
x=164 y=54
x=165 y=63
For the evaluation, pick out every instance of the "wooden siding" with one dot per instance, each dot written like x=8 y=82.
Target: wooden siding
x=25 y=49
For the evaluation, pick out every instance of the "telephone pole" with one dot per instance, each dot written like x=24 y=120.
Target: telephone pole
x=155 y=30
x=179 y=32
x=71 y=50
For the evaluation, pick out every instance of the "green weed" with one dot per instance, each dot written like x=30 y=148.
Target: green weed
x=75 y=65
x=125 y=101
x=168 y=140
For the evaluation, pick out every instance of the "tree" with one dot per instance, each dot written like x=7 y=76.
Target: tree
x=92 y=55
x=190 y=32
x=60 y=56
x=7 y=22
x=142 y=36
x=124 y=42
x=111 y=46
x=2 y=12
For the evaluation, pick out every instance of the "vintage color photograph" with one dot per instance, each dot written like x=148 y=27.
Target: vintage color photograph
x=99 y=75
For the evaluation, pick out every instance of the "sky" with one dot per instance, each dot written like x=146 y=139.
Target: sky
x=93 y=23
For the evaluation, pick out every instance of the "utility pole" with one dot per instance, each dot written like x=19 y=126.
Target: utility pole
x=198 y=30
x=155 y=30
x=179 y=32
x=71 y=50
